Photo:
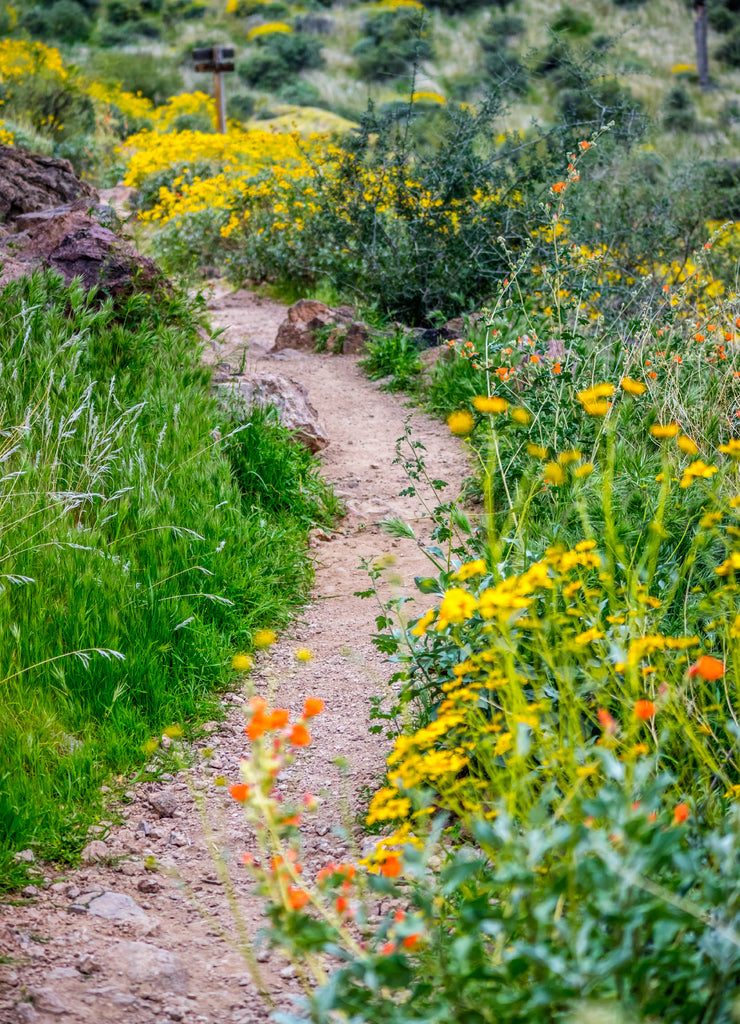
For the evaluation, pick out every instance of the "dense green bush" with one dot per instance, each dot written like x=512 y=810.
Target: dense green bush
x=65 y=21
x=729 y=51
x=391 y=42
x=274 y=57
x=240 y=106
x=679 y=112
x=572 y=22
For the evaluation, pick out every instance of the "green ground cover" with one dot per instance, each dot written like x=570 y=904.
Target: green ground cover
x=137 y=552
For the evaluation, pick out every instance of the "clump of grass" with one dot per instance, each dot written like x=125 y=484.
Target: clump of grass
x=127 y=533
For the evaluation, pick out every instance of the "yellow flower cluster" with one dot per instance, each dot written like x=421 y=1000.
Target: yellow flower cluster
x=20 y=59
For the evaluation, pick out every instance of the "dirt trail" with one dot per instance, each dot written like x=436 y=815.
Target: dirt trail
x=156 y=957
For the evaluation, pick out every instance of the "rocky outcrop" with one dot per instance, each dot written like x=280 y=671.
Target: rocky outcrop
x=69 y=240
x=307 y=318
x=286 y=396
x=29 y=183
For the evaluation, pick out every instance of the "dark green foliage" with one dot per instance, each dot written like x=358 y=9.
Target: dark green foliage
x=64 y=21
x=240 y=106
x=679 y=113
x=394 y=356
x=572 y=22
x=274 y=57
x=300 y=93
x=392 y=41
x=723 y=15
x=127 y=532
x=453 y=7
x=729 y=51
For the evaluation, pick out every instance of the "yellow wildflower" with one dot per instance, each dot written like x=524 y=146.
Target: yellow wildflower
x=633 y=387
x=491 y=405
x=457 y=606
x=663 y=430
x=460 y=422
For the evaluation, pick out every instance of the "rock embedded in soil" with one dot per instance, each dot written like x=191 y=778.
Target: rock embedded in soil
x=145 y=964
x=95 y=852
x=286 y=396
x=116 y=906
x=164 y=802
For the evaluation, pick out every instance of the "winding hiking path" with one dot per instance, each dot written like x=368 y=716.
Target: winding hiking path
x=154 y=956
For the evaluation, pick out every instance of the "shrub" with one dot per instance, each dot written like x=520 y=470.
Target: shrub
x=392 y=41
x=276 y=56
x=240 y=106
x=65 y=21
x=729 y=51
x=679 y=113
x=572 y=22
x=300 y=93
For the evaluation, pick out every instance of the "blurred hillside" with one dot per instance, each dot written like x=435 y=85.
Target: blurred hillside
x=340 y=56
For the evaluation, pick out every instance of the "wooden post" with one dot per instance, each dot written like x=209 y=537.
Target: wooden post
x=700 y=39
x=217 y=59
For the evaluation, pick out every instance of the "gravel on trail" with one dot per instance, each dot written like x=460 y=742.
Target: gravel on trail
x=115 y=942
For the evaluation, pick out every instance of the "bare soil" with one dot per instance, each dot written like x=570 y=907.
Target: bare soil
x=60 y=962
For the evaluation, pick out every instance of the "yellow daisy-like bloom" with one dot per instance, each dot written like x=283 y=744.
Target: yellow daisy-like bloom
x=242 y=663
x=663 y=430
x=461 y=422
x=491 y=405
x=687 y=446
x=595 y=393
x=695 y=471
x=554 y=474
x=732 y=448
x=536 y=450
x=264 y=637
x=565 y=458
x=521 y=416
x=303 y=654
x=475 y=568
x=174 y=732
x=585 y=470
x=633 y=387
x=588 y=637
x=423 y=624
x=598 y=408
x=457 y=606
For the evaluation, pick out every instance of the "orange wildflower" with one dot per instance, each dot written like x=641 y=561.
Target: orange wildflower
x=708 y=668
x=278 y=718
x=313 y=706
x=608 y=723
x=391 y=867
x=644 y=710
x=680 y=814
x=388 y=948
x=341 y=904
x=299 y=735
x=411 y=941
x=559 y=186
x=584 y=145
x=256 y=726
x=239 y=792
x=297 y=898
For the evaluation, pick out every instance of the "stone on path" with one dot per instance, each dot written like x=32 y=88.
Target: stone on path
x=115 y=906
x=95 y=852
x=145 y=964
x=286 y=396
x=164 y=802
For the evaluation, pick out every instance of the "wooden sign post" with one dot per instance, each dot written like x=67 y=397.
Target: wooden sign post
x=217 y=59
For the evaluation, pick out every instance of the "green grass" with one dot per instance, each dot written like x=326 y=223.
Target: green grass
x=125 y=533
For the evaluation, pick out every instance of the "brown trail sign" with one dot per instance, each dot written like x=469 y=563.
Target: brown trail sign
x=217 y=59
